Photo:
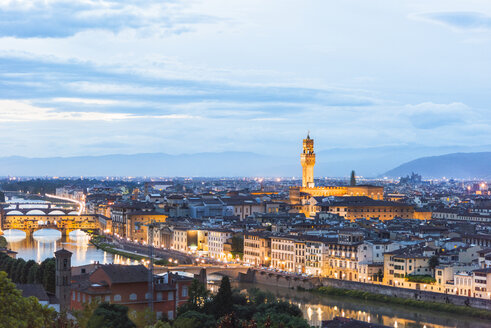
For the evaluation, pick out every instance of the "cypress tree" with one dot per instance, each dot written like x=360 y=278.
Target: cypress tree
x=49 y=275
x=17 y=274
x=353 y=179
x=32 y=274
x=25 y=271
x=223 y=299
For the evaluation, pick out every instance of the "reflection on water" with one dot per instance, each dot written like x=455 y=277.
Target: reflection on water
x=43 y=243
x=317 y=308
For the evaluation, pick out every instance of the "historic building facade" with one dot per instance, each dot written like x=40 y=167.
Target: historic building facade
x=299 y=196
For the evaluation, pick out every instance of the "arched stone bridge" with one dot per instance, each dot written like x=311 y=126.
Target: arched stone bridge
x=64 y=223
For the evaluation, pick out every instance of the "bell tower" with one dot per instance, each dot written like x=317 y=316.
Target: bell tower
x=307 y=158
x=63 y=278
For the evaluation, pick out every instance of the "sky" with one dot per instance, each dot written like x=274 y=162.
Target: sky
x=123 y=77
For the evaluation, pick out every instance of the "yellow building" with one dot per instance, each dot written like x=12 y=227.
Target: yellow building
x=137 y=224
x=257 y=248
x=405 y=262
x=299 y=196
x=352 y=208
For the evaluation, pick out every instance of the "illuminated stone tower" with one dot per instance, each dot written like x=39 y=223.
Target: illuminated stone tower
x=308 y=161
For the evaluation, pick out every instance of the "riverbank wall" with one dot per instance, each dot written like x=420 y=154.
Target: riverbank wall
x=419 y=295
x=278 y=280
x=281 y=280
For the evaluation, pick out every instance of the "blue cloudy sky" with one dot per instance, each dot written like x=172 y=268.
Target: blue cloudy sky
x=104 y=77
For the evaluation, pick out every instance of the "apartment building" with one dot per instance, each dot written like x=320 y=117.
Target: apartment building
x=283 y=253
x=217 y=239
x=406 y=262
x=481 y=279
x=257 y=248
x=314 y=256
x=371 y=259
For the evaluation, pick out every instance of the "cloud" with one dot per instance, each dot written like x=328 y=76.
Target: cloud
x=63 y=18
x=433 y=116
x=23 y=111
x=459 y=20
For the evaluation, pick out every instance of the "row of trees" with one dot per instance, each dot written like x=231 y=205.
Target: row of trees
x=30 y=272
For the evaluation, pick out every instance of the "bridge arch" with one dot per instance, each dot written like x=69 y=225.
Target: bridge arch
x=14 y=235
x=47 y=235
x=36 y=212
x=15 y=212
x=56 y=212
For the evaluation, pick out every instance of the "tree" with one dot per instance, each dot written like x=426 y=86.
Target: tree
x=48 y=271
x=32 y=274
x=433 y=262
x=198 y=295
x=160 y=324
x=25 y=271
x=18 y=311
x=83 y=316
x=143 y=318
x=380 y=275
x=186 y=323
x=62 y=321
x=109 y=316
x=223 y=299
x=353 y=179
x=17 y=272
x=205 y=320
x=3 y=242
x=238 y=244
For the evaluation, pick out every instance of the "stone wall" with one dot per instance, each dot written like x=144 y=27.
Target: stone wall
x=408 y=293
x=279 y=280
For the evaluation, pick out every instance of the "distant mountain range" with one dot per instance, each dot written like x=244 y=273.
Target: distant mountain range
x=368 y=162
x=457 y=165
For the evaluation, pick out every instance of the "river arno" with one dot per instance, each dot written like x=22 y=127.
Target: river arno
x=45 y=242
x=317 y=308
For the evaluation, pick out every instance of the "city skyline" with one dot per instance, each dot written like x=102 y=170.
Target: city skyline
x=189 y=77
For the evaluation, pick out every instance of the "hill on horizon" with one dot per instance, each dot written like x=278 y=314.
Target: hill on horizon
x=367 y=162
x=455 y=165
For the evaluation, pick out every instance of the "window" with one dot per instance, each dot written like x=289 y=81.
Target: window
x=170 y=296
x=73 y=296
x=170 y=315
x=159 y=296
x=107 y=298
x=117 y=298
x=147 y=296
